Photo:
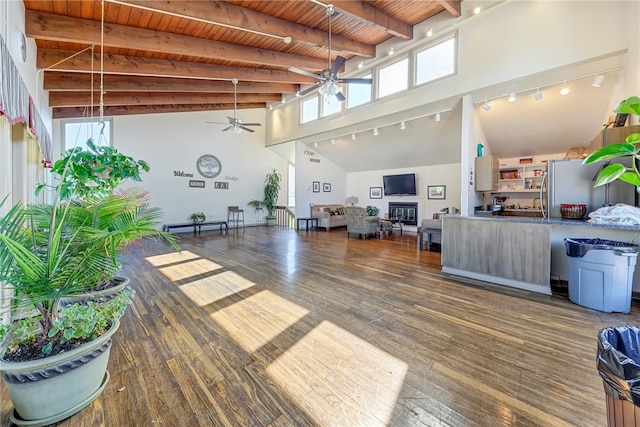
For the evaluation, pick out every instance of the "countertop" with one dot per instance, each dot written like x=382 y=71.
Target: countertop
x=551 y=221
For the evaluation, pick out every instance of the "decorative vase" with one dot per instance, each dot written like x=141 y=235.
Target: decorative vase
x=48 y=390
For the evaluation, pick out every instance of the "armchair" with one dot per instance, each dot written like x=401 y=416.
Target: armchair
x=359 y=222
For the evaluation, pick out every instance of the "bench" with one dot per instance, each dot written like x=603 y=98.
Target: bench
x=196 y=227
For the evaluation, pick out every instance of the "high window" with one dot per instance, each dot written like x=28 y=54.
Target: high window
x=435 y=62
x=358 y=94
x=330 y=105
x=310 y=110
x=393 y=78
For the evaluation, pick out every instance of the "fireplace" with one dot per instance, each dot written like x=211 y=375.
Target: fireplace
x=403 y=212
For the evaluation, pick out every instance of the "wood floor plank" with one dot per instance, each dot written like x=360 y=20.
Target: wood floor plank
x=273 y=327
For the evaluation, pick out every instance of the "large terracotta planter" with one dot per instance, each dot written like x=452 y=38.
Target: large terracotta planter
x=49 y=390
x=100 y=297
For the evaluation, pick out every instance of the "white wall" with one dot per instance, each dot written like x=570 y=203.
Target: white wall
x=323 y=172
x=448 y=175
x=174 y=142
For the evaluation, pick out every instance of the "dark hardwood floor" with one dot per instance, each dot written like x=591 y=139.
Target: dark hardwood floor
x=273 y=327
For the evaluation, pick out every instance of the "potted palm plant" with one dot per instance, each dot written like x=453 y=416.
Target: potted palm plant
x=271 y=191
x=54 y=359
x=629 y=148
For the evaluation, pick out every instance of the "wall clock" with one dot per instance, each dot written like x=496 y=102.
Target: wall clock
x=209 y=166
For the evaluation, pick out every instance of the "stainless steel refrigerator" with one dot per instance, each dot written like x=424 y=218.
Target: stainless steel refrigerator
x=569 y=181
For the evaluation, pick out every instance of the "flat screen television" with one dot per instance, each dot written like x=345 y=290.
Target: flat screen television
x=400 y=185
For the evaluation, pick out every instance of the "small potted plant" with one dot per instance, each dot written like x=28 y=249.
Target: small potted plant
x=372 y=210
x=629 y=148
x=198 y=217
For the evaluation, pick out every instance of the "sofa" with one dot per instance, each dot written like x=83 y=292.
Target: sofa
x=329 y=216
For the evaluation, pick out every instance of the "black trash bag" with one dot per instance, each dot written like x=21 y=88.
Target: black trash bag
x=618 y=362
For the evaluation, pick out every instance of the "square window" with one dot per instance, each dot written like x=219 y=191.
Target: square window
x=393 y=78
x=435 y=62
x=310 y=110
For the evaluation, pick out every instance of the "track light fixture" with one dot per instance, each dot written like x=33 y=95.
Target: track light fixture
x=430 y=32
x=403 y=126
x=353 y=136
x=333 y=141
x=538 y=95
x=512 y=97
x=360 y=64
x=477 y=10
x=391 y=52
x=375 y=131
x=597 y=81
x=437 y=117
x=564 y=90
x=486 y=106
x=315 y=144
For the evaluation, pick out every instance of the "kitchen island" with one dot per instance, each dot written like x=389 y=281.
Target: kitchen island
x=521 y=252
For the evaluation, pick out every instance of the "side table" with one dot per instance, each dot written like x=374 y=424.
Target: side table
x=307 y=220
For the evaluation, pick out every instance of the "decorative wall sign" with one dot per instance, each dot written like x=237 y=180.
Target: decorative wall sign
x=316 y=186
x=183 y=174
x=326 y=187
x=196 y=184
x=221 y=185
x=209 y=166
x=436 y=192
x=375 y=192
x=314 y=160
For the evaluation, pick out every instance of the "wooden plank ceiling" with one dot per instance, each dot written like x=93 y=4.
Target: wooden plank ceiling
x=169 y=56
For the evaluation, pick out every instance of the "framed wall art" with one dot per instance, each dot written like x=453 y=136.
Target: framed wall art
x=437 y=192
x=375 y=192
x=316 y=186
x=326 y=187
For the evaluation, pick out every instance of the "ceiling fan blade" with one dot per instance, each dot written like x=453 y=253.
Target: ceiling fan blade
x=310 y=89
x=356 y=80
x=337 y=65
x=340 y=96
x=227 y=128
x=251 y=124
x=218 y=123
x=245 y=128
x=304 y=73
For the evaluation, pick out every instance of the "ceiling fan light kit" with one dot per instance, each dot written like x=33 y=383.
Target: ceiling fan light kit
x=236 y=125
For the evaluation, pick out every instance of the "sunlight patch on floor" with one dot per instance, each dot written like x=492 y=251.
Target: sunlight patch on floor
x=211 y=289
x=256 y=320
x=340 y=379
x=189 y=269
x=171 y=258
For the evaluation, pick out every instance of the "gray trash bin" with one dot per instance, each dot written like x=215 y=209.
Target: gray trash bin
x=601 y=273
x=618 y=362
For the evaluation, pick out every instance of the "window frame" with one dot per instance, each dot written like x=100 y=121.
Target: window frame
x=389 y=64
x=451 y=36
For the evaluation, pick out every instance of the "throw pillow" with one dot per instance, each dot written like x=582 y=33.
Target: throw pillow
x=340 y=211
x=328 y=210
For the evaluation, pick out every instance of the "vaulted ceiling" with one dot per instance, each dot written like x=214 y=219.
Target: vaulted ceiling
x=179 y=56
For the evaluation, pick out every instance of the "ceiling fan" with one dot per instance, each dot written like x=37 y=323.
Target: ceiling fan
x=235 y=123
x=329 y=78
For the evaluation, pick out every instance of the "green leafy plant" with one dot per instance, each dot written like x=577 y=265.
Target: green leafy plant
x=51 y=251
x=372 y=210
x=271 y=191
x=97 y=170
x=256 y=204
x=198 y=217
x=629 y=148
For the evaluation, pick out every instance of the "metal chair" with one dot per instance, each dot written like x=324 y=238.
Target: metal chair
x=235 y=215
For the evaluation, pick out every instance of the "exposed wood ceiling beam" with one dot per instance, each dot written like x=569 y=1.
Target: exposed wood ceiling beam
x=236 y=16
x=140 y=66
x=57 y=81
x=77 y=112
x=451 y=6
x=374 y=17
x=46 y=26
x=80 y=99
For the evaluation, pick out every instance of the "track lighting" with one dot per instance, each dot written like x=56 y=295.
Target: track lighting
x=486 y=106
x=437 y=117
x=564 y=90
x=430 y=32
x=360 y=64
x=315 y=144
x=597 y=81
x=477 y=10
x=333 y=141
x=353 y=136
x=375 y=131
x=284 y=99
x=403 y=126
x=297 y=94
x=270 y=107
x=512 y=97
x=391 y=52
x=538 y=95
